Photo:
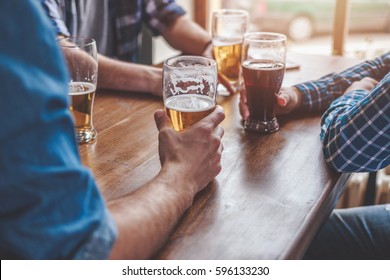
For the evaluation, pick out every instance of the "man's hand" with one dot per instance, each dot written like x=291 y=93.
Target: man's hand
x=288 y=100
x=190 y=160
x=365 y=84
x=194 y=153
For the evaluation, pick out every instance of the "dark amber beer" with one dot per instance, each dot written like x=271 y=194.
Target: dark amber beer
x=263 y=67
x=263 y=79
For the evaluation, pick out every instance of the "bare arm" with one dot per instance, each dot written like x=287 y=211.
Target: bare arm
x=119 y=75
x=190 y=38
x=146 y=217
x=184 y=35
x=187 y=36
x=189 y=160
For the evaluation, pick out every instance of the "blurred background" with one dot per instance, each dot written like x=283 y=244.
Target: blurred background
x=352 y=28
x=307 y=23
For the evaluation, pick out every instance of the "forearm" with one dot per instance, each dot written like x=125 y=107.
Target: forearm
x=146 y=217
x=355 y=131
x=187 y=36
x=119 y=75
x=318 y=95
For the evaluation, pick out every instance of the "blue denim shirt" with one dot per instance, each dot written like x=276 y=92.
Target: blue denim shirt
x=50 y=207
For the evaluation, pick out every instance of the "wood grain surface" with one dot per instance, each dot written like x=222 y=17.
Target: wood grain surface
x=272 y=195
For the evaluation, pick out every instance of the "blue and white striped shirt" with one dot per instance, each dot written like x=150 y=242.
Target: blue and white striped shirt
x=355 y=129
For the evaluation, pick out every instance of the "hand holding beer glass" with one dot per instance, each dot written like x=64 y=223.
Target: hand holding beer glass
x=81 y=58
x=189 y=89
x=228 y=29
x=263 y=66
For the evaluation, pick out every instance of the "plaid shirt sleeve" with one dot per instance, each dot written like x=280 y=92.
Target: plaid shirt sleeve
x=159 y=14
x=55 y=12
x=318 y=95
x=355 y=130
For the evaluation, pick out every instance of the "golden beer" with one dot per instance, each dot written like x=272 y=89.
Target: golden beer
x=82 y=95
x=228 y=57
x=187 y=109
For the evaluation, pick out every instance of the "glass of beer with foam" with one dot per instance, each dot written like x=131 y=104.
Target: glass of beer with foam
x=228 y=28
x=189 y=89
x=81 y=58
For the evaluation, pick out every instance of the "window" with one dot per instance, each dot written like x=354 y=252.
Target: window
x=309 y=23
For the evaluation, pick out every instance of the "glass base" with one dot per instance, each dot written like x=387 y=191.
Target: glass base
x=85 y=135
x=260 y=126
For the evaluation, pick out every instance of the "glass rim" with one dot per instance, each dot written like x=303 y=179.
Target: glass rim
x=78 y=41
x=231 y=12
x=274 y=37
x=195 y=58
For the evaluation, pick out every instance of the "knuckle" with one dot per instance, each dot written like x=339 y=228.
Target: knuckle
x=222 y=131
x=218 y=157
x=215 y=142
x=218 y=169
x=206 y=129
x=220 y=115
x=164 y=134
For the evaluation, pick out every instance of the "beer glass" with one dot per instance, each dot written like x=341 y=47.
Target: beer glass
x=263 y=66
x=228 y=28
x=81 y=58
x=189 y=89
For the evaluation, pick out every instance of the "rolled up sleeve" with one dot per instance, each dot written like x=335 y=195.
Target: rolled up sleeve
x=56 y=15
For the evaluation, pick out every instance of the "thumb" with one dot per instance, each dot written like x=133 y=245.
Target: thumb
x=283 y=99
x=161 y=119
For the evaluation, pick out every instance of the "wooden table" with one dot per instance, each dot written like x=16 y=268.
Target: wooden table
x=272 y=195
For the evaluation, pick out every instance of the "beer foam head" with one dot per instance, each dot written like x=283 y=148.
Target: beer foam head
x=78 y=88
x=263 y=64
x=222 y=41
x=190 y=75
x=190 y=103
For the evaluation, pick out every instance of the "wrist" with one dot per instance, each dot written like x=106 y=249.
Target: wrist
x=154 y=83
x=298 y=97
x=179 y=185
